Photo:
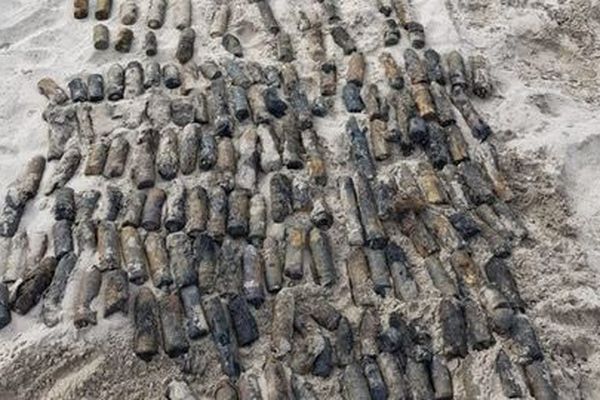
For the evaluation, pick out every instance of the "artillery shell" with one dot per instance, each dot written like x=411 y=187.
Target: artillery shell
x=85 y=234
x=352 y=99
x=361 y=154
x=64 y=171
x=539 y=381
x=328 y=78
x=232 y=44
x=498 y=274
x=200 y=108
x=289 y=78
x=222 y=334
x=260 y=114
x=440 y=278
x=245 y=177
x=62 y=238
x=142 y=171
x=356 y=69
x=217 y=214
x=243 y=321
x=487 y=214
x=80 y=9
x=379 y=271
x=431 y=185
x=343 y=40
x=30 y=291
x=108 y=246
x=239 y=103
x=443 y=105
x=301 y=106
x=526 y=344
x=181 y=260
x=320 y=248
x=257 y=224
x=278 y=386
x=171 y=76
x=124 y=39
x=280 y=188
x=377 y=135
x=456 y=70
x=14 y=266
x=175 y=216
x=50 y=89
x=167 y=160
x=210 y=70
x=417 y=130
x=116 y=157
x=359 y=278
x=273 y=103
x=487 y=155
x=423 y=100
x=404 y=285
x=480 y=336
x=323 y=363
x=146 y=319
x=292 y=145
x=182 y=112
x=134 y=257
x=481 y=83
x=391 y=34
x=374 y=233
x=419 y=380
x=156 y=14
x=78 y=90
x=134 y=80
x=207 y=156
x=375 y=106
x=385 y=194
x=175 y=342
x=113 y=203
x=372 y=373
x=226 y=163
x=320 y=106
x=205 y=249
x=354 y=230
x=150 y=47
x=369 y=330
x=321 y=215
x=238 y=214
x=64 y=204
x=158 y=260
x=416 y=35
x=100 y=36
x=115 y=82
x=415 y=69
x=479 y=128
x=53 y=296
x=499 y=310
x=435 y=70
x=103 y=8
x=185 y=47
x=220 y=20
x=196 y=324
x=152 y=213
x=476 y=185
x=196 y=211
x=441 y=379
x=182 y=14
x=354 y=382
x=392 y=71
x=508 y=379
x=442 y=229
x=95 y=84
x=116 y=292
x=273 y=264
x=188 y=148
x=392 y=375
x=285 y=51
x=88 y=290
x=268 y=19
x=128 y=12
x=457 y=146
x=86 y=203
x=282 y=325
x=453 y=328
x=295 y=245
x=466 y=269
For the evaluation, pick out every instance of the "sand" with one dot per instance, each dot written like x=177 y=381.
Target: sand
x=544 y=113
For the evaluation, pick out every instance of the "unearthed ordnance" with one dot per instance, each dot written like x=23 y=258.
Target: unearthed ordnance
x=302 y=389
x=30 y=291
x=292 y=143
x=201 y=108
x=245 y=177
x=278 y=385
x=457 y=146
x=273 y=102
x=358 y=276
x=182 y=112
x=220 y=20
x=80 y=9
x=379 y=271
x=479 y=128
x=453 y=328
x=54 y=294
x=440 y=278
x=486 y=213
x=294 y=250
x=116 y=157
x=375 y=236
x=182 y=13
x=152 y=73
x=128 y=12
x=185 y=47
x=239 y=103
x=95 y=84
x=175 y=342
x=217 y=214
x=246 y=329
x=181 y=260
x=354 y=230
x=249 y=387
x=50 y=89
x=260 y=113
x=171 y=76
x=205 y=253
x=328 y=78
x=392 y=376
x=108 y=246
x=167 y=160
x=435 y=70
x=369 y=331
x=146 y=319
x=226 y=390
x=100 y=36
x=352 y=99
x=423 y=100
x=361 y=154
x=486 y=154
x=15 y=260
x=417 y=130
x=156 y=13
x=391 y=34
x=378 y=136
x=456 y=70
x=207 y=155
x=124 y=39
x=268 y=19
x=314 y=159
x=375 y=105
x=510 y=219
x=152 y=213
x=142 y=171
x=443 y=105
x=442 y=229
x=103 y=8
x=10 y=218
x=115 y=82
x=289 y=78
x=282 y=325
x=431 y=185
x=134 y=80
x=342 y=38
x=253 y=276
x=196 y=211
x=64 y=204
x=150 y=46
x=89 y=287
x=257 y=224
x=479 y=333
x=323 y=363
x=384 y=191
x=403 y=11
x=414 y=67
x=467 y=271
x=175 y=215
x=498 y=309
x=405 y=286
x=301 y=106
x=188 y=148
x=210 y=70
x=134 y=256
x=320 y=248
x=481 y=83
x=220 y=107
x=539 y=381
x=285 y=51
x=441 y=379
x=280 y=188
x=26 y=186
x=392 y=71
x=158 y=260
x=232 y=44
x=416 y=35
x=273 y=262
x=223 y=336
x=62 y=238
x=86 y=203
x=377 y=386
x=475 y=183
x=355 y=384
x=508 y=380
x=526 y=344
x=344 y=342
x=321 y=215
x=356 y=69
x=78 y=90
x=226 y=163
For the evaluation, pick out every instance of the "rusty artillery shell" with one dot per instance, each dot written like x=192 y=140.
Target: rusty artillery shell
x=430 y=185
x=378 y=137
x=423 y=100
x=268 y=19
x=89 y=287
x=115 y=287
x=352 y=99
x=392 y=376
x=442 y=229
x=457 y=146
x=487 y=155
x=356 y=69
x=146 y=319
x=196 y=211
x=481 y=82
x=239 y=103
x=385 y=197
x=124 y=40
x=354 y=383
x=210 y=70
x=217 y=214
x=167 y=160
x=30 y=291
x=416 y=35
x=375 y=236
x=243 y=321
x=270 y=159
x=294 y=252
x=453 y=328
x=128 y=12
x=103 y=9
x=391 y=34
x=205 y=249
x=134 y=257
x=200 y=108
x=64 y=204
x=479 y=334
x=181 y=260
x=245 y=177
x=50 y=89
x=100 y=36
x=415 y=69
x=435 y=69
x=285 y=50
x=116 y=157
x=508 y=378
x=232 y=44
x=171 y=76
x=134 y=80
x=419 y=380
x=440 y=278
x=417 y=130
x=525 y=341
x=441 y=379
x=220 y=20
x=278 y=386
x=78 y=90
x=375 y=106
x=95 y=84
x=86 y=203
x=182 y=112
x=273 y=261
x=223 y=336
x=377 y=386
x=14 y=266
x=282 y=325
x=359 y=278
x=108 y=246
x=321 y=215
x=500 y=311
x=257 y=223
x=80 y=9
x=185 y=47
x=188 y=148
x=292 y=145
x=115 y=82
x=443 y=105
x=456 y=70
x=361 y=154
x=156 y=14
x=280 y=188
x=175 y=216
x=467 y=271
x=273 y=102
x=96 y=158
x=354 y=229
x=53 y=296
x=328 y=78
x=392 y=71
x=479 y=128
x=289 y=78
x=65 y=170
x=539 y=381
x=238 y=213
x=343 y=40
x=379 y=271
x=226 y=163
x=152 y=212
x=488 y=215
x=260 y=114
x=498 y=274
x=476 y=185
x=414 y=228
x=219 y=100
x=320 y=248
x=158 y=260
x=112 y=203
x=196 y=324
x=207 y=155
x=182 y=14
x=175 y=342
x=301 y=106
x=150 y=47
x=62 y=238
x=142 y=171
